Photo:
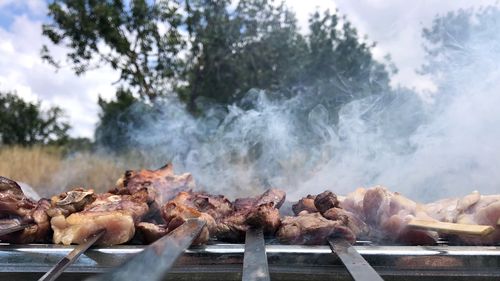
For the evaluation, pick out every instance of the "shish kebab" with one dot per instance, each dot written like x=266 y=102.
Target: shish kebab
x=225 y=221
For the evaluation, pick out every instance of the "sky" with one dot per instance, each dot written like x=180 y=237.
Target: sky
x=395 y=25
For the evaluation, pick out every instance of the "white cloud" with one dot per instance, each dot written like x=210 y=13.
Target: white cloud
x=22 y=70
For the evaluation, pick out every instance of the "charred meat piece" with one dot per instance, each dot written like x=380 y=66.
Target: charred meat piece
x=325 y=201
x=162 y=185
x=70 y=202
x=150 y=232
x=17 y=209
x=117 y=214
x=182 y=208
x=226 y=221
x=261 y=211
x=312 y=229
x=358 y=227
x=305 y=204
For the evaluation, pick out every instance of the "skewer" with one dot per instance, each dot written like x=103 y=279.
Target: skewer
x=255 y=259
x=452 y=228
x=356 y=265
x=155 y=260
x=12 y=229
x=59 y=268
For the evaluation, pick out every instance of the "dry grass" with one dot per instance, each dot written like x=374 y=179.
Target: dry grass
x=35 y=166
x=49 y=172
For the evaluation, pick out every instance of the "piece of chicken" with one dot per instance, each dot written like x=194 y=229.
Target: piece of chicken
x=17 y=209
x=117 y=214
x=312 y=229
x=473 y=208
x=388 y=214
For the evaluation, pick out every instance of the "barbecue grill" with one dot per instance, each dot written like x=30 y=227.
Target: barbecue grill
x=218 y=261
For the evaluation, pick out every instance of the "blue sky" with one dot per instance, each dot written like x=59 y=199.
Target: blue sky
x=394 y=24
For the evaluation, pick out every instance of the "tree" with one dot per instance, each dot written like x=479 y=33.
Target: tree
x=255 y=45
x=25 y=123
x=340 y=63
x=138 y=39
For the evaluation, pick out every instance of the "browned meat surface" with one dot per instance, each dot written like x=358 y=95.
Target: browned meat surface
x=473 y=208
x=312 y=229
x=184 y=207
x=224 y=220
x=323 y=211
x=387 y=214
x=305 y=204
x=325 y=201
x=117 y=214
x=261 y=211
x=70 y=202
x=358 y=227
x=150 y=232
x=162 y=185
x=16 y=209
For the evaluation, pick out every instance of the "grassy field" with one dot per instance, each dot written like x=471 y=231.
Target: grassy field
x=49 y=171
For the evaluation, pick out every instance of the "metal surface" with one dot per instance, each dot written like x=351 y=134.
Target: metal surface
x=14 y=229
x=59 y=268
x=156 y=259
x=286 y=262
x=357 y=266
x=255 y=266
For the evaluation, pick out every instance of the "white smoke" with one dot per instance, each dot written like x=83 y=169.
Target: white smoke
x=426 y=149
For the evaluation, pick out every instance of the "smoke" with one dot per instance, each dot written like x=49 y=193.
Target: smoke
x=425 y=148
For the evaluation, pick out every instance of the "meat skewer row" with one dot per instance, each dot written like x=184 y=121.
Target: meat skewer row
x=148 y=204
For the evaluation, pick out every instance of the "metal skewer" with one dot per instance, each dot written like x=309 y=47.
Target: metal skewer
x=255 y=266
x=155 y=260
x=12 y=229
x=59 y=268
x=358 y=267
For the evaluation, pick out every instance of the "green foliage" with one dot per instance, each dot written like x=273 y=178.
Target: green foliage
x=127 y=36
x=25 y=123
x=258 y=45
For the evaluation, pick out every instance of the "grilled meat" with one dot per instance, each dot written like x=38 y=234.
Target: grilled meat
x=183 y=207
x=387 y=214
x=162 y=185
x=17 y=209
x=473 y=208
x=118 y=214
x=225 y=220
x=305 y=204
x=325 y=201
x=261 y=211
x=150 y=232
x=71 y=201
x=312 y=229
x=320 y=212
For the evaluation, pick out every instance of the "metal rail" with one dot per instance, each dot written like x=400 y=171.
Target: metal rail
x=255 y=259
x=286 y=262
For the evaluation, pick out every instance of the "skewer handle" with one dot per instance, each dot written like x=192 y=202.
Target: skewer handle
x=452 y=228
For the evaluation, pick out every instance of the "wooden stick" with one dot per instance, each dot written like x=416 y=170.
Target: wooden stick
x=452 y=228
x=498 y=222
